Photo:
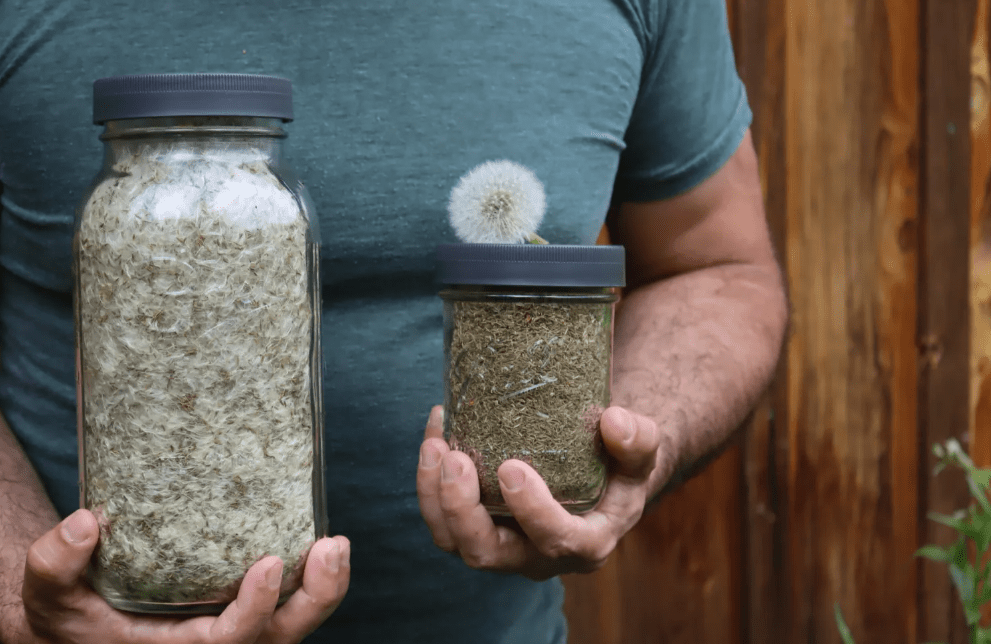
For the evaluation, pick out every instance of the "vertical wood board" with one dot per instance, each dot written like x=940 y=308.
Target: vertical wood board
x=944 y=296
x=851 y=150
x=759 y=35
x=980 y=237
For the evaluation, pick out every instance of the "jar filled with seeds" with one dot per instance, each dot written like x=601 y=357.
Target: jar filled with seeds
x=528 y=344
x=197 y=329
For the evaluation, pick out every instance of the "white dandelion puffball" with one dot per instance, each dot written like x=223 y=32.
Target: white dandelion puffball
x=497 y=202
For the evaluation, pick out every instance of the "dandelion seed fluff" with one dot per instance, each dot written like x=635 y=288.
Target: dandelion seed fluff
x=497 y=202
x=195 y=309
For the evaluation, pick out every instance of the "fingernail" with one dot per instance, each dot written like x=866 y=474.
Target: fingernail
x=273 y=576
x=512 y=477
x=436 y=416
x=450 y=470
x=428 y=456
x=74 y=528
x=331 y=557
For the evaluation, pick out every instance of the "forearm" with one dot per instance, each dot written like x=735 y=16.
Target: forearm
x=694 y=352
x=25 y=514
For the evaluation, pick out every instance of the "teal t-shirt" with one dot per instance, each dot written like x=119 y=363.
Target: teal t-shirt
x=394 y=101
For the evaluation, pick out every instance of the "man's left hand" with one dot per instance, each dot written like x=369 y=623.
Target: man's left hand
x=549 y=541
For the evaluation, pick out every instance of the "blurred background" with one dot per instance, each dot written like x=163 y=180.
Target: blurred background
x=871 y=123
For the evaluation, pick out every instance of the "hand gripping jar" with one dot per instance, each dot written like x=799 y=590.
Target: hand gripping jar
x=527 y=348
x=197 y=330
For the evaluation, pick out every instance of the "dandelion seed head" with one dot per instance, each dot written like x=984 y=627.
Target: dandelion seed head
x=497 y=202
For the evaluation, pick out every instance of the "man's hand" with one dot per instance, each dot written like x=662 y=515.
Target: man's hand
x=59 y=606
x=550 y=541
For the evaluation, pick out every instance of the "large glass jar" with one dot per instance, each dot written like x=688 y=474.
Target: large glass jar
x=527 y=348
x=198 y=355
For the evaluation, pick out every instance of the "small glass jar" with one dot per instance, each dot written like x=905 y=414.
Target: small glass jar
x=527 y=348
x=198 y=349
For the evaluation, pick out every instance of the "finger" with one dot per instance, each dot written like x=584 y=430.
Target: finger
x=325 y=582
x=428 y=475
x=554 y=531
x=621 y=505
x=435 y=423
x=632 y=440
x=57 y=560
x=477 y=539
x=244 y=619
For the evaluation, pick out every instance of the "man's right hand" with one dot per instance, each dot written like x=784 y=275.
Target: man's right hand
x=59 y=606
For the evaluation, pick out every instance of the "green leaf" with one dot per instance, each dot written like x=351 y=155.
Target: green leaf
x=964 y=584
x=982 y=477
x=981 y=523
x=973 y=615
x=935 y=553
x=841 y=625
x=961 y=522
x=977 y=491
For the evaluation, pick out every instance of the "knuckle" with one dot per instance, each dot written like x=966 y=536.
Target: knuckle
x=40 y=561
x=558 y=548
x=451 y=509
x=444 y=544
x=479 y=560
x=601 y=552
x=650 y=434
x=198 y=637
x=596 y=565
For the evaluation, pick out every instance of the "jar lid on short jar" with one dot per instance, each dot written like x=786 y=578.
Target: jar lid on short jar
x=151 y=95
x=532 y=265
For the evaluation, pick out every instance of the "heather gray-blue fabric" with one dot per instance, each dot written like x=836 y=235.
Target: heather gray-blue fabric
x=394 y=101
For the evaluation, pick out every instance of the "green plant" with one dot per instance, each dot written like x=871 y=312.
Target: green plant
x=973 y=526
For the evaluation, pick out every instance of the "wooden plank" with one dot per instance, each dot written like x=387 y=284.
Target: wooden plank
x=759 y=27
x=980 y=237
x=852 y=180
x=980 y=247
x=944 y=298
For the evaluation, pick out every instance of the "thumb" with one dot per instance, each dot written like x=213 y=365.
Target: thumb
x=58 y=559
x=631 y=439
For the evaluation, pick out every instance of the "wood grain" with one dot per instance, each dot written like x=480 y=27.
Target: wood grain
x=944 y=297
x=759 y=28
x=852 y=177
x=980 y=247
x=980 y=237
x=874 y=187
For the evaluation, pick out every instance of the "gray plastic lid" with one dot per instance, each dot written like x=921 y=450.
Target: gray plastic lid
x=531 y=265
x=149 y=95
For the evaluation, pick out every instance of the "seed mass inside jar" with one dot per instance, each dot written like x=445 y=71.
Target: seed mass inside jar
x=529 y=380
x=195 y=340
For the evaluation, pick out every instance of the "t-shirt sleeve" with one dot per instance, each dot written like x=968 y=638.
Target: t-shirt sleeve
x=691 y=111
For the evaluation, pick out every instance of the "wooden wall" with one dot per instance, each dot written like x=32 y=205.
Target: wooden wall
x=871 y=122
